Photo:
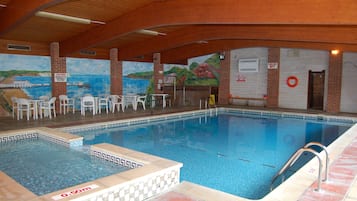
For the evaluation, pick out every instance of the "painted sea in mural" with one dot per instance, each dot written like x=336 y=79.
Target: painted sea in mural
x=79 y=85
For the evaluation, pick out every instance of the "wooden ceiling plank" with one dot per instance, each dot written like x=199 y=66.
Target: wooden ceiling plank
x=17 y=11
x=160 y=13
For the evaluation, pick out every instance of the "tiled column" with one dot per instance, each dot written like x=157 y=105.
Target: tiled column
x=224 y=75
x=273 y=78
x=334 y=83
x=58 y=65
x=116 y=73
x=158 y=73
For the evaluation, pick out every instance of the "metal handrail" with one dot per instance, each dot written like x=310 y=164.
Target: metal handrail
x=296 y=156
x=327 y=156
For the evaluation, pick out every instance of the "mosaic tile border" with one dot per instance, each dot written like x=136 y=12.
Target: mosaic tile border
x=54 y=140
x=116 y=159
x=142 y=189
x=23 y=135
x=316 y=117
x=140 y=121
x=18 y=136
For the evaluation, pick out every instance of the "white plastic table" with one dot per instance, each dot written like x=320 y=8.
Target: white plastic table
x=163 y=96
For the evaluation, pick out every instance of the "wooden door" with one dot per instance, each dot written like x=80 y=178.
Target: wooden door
x=316 y=90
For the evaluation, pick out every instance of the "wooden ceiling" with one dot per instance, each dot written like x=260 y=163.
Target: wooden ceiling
x=191 y=28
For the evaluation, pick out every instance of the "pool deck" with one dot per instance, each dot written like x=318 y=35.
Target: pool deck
x=342 y=177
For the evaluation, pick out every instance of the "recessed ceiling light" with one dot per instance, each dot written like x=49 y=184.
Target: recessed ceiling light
x=150 y=32
x=66 y=18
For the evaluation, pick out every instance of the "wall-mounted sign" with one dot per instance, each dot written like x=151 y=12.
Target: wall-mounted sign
x=241 y=78
x=273 y=65
x=60 y=77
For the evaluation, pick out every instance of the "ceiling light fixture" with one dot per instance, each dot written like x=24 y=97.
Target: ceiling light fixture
x=335 y=52
x=66 y=18
x=201 y=42
x=150 y=32
x=2 y=5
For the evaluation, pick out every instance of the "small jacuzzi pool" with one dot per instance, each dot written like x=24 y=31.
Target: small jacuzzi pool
x=48 y=164
x=43 y=166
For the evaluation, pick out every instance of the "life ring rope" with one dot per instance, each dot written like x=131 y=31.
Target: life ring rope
x=292 y=81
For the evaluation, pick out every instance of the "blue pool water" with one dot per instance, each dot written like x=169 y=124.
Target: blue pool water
x=44 y=167
x=232 y=153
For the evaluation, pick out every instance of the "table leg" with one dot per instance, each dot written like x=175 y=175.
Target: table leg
x=163 y=101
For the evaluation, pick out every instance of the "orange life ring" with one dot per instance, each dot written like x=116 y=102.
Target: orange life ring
x=292 y=81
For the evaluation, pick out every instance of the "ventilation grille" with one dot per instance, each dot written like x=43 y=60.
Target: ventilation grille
x=19 y=47
x=88 y=52
x=248 y=65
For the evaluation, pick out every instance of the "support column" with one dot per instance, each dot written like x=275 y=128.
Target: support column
x=273 y=78
x=224 y=79
x=116 y=73
x=58 y=65
x=158 y=73
x=334 y=83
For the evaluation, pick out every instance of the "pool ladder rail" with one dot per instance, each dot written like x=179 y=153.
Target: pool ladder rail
x=297 y=154
x=205 y=102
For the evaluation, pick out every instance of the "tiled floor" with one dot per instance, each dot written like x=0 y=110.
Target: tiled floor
x=9 y=123
x=341 y=184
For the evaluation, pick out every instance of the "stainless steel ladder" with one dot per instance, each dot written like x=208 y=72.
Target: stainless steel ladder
x=296 y=156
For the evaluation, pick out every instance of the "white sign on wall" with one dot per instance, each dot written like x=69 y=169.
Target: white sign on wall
x=273 y=65
x=60 y=77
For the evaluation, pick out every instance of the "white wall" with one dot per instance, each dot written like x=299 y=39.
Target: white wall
x=255 y=84
x=293 y=62
x=349 y=83
x=298 y=62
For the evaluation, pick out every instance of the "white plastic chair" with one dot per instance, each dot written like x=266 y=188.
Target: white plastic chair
x=116 y=102
x=66 y=103
x=103 y=102
x=47 y=108
x=24 y=105
x=87 y=102
x=142 y=100
x=14 y=106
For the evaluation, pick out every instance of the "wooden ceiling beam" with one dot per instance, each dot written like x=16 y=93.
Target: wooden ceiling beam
x=17 y=11
x=205 y=33
x=183 y=12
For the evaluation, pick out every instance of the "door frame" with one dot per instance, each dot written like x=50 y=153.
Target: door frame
x=310 y=91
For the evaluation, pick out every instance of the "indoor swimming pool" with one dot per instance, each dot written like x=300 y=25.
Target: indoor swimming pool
x=232 y=152
x=43 y=166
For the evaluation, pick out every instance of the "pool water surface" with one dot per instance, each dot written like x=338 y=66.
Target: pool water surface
x=237 y=154
x=43 y=167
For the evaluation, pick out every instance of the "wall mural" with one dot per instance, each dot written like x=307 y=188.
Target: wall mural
x=29 y=77
x=201 y=71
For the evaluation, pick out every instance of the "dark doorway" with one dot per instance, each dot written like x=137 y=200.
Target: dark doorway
x=316 y=90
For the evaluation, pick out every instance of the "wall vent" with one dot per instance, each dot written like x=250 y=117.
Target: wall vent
x=248 y=65
x=19 y=47
x=88 y=52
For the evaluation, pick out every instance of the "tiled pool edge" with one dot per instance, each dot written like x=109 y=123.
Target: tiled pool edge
x=210 y=112
x=151 y=175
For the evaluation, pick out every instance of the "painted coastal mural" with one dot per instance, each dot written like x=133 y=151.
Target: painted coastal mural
x=29 y=77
